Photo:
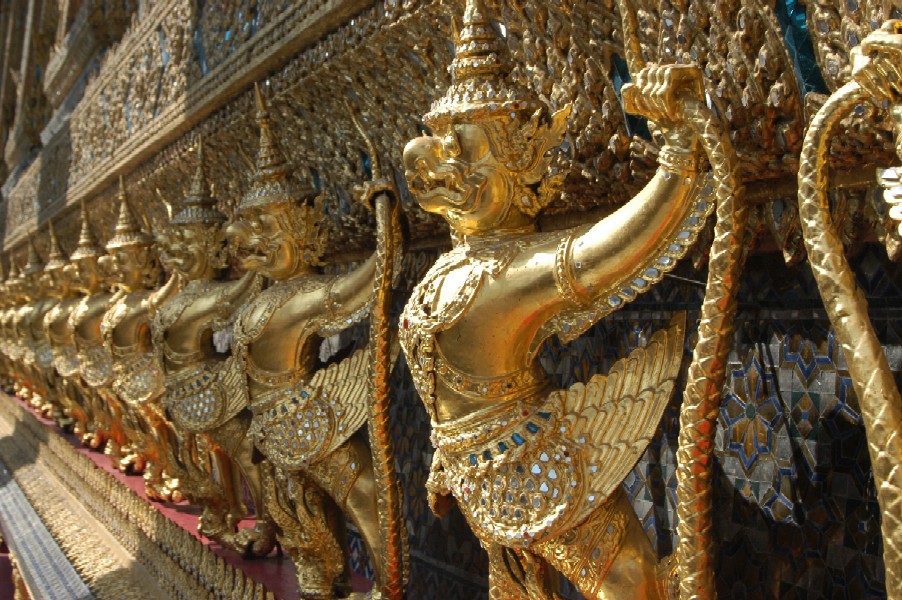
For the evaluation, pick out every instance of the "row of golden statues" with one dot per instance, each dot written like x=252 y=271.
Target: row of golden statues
x=206 y=381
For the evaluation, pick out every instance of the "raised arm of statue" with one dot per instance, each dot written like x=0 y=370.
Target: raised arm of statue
x=613 y=260
x=169 y=289
x=351 y=294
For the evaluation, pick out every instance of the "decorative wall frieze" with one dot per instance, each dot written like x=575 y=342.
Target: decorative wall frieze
x=70 y=57
x=173 y=563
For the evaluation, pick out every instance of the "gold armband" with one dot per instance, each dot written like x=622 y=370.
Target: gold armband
x=332 y=303
x=678 y=160
x=567 y=285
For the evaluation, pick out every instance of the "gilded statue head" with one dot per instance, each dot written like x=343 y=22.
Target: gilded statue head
x=278 y=231
x=31 y=284
x=194 y=244
x=485 y=165
x=132 y=259
x=88 y=273
x=16 y=283
x=59 y=277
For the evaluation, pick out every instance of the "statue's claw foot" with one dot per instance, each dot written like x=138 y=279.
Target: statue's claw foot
x=212 y=525
x=114 y=451
x=253 y=542
x=45 y=409
x=125 y=458
x=133 y=462
x=158 y=486
x=65 y=423
x=93 y=439
x=175 y=493
x=312 y=585
x=257 y=541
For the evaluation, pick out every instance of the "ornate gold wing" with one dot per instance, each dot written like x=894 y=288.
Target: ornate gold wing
x=613 y=417
x=569 y=454
x=309 y=420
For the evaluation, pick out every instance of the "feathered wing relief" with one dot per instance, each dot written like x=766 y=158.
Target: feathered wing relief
x=545 y=467
x=300 y=425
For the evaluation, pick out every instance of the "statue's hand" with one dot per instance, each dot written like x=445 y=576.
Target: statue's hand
x=877 y=63
x=367 y=193
x=661 y=94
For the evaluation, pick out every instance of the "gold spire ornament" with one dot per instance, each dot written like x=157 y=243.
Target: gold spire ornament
x=127 y=231
x=34 y=264
x=87 y=243
x=271 y=183
x=56 y=258
x=198 y=207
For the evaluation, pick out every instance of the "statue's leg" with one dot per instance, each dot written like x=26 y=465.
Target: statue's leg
x=347 y=476
x=233 y=510
x=510 y=576
x=58 y=398
x=195 y=456
x=103 y=418
x=162 y=474
x=608 y=555
x=134 y=449
x=232 y=437
x=311 y=530
x=92 y=427
x=71 y=406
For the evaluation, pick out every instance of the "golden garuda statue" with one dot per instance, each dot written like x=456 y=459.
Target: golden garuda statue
x=59 y=335
x=537 y=470
x=13 y=289
x=37 y=357
x=202 y=392
x=13 y=346
x=309 y=422
x=95 y=365
x=137 y=375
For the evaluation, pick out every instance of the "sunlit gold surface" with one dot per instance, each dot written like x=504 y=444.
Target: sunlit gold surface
x=529 y=466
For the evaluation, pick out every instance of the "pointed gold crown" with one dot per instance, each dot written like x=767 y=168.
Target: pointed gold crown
x=272 y=183
x=56 y=260
x=34 y=264
x=87 y=243
x=480 y=84
x=127 y=232
x=198 y=207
